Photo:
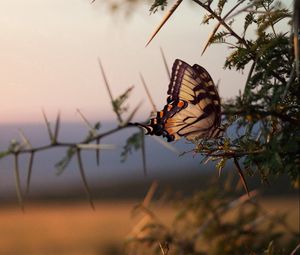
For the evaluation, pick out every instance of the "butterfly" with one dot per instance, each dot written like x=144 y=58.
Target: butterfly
x=193 y=107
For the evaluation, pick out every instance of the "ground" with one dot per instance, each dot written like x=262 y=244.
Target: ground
x=74 y=228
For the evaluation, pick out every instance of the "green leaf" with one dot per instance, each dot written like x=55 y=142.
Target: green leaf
x=5 y=153
x=64 y=162
x=158 y=4
x=220 y=165
x=118 y=103
x=134 y=142
x=97 y=125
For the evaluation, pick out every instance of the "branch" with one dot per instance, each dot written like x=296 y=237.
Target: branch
x=69 y=144
x=228 y=154
x=221 y=20
x=218 y=25
x=242 y=177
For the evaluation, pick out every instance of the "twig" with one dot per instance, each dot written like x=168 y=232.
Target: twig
x=57 y=126
x=24 y=138
x=29 y=172
x=148 y=93
x=291 y=78
x=48 y=126
x=165 y=63
x=297 y=248
x=248 y=79
x=143 y=149
x=222 y=21
x=98 y=153
x=218 y=25
x=164 y=20
x=296 y=26
x=109 y=90
x=85 y=120
x=242 y=177
x=245 y=9
x=86 y=186
x=150 y=193
x=18 y=183
x=69 y=144
x=166 y=145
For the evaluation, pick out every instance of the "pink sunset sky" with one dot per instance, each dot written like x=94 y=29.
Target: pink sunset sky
x=49 y=51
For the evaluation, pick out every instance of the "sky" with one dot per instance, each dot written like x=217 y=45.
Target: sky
x=49 y=52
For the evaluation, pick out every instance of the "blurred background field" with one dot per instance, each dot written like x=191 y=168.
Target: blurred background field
x=73 y=228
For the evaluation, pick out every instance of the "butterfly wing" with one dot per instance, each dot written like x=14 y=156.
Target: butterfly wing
x=201 y=117
x=193 y=105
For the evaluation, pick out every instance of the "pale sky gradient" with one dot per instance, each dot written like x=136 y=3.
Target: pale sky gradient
x=49 y=51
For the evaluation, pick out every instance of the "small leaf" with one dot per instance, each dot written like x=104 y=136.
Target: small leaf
x=97 y=125
x=118 y=103
x=158 y=3
x=64 y=162
x=92 y=129
x=221 y=164
x=3 y=154
x=14 y=146
x=134 y=142
x=25 y=139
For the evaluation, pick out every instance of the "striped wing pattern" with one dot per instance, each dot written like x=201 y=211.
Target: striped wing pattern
x=193 y=106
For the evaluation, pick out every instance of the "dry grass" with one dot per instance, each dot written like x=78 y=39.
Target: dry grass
x=76 y=229
x=66 y=229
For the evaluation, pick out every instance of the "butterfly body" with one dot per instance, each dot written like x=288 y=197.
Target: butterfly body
x=193 y=106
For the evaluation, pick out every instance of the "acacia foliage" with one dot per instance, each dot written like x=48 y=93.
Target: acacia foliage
x=266 y=113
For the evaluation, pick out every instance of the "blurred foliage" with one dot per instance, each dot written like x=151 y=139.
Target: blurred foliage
x=134 y=142
x=118 y=103
x=158 y=4
x=213 y=222
x=268 y=109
